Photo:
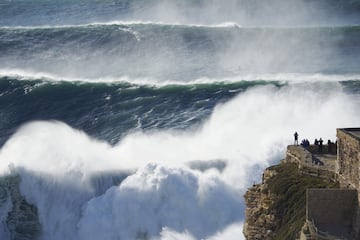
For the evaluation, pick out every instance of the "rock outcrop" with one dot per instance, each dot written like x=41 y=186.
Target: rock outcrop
x=261 y=220
x=276 y=208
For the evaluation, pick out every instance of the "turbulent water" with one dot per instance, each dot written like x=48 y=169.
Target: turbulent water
x=149 y=119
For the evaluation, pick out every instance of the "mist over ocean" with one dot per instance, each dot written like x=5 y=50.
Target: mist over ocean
x=143 y=119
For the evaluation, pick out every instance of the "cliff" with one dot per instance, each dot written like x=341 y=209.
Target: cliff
x=276 y=209
x=313 y=194
x=260 y=217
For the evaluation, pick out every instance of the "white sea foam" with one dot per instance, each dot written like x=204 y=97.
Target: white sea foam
x=22 y=74
x=164 y=198
x=178 y=198
x=160 y=23
x=133 y=23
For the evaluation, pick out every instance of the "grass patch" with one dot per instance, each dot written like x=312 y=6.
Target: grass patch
x=290 y=188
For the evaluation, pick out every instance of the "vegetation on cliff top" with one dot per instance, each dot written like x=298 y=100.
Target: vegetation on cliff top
x=290 y=188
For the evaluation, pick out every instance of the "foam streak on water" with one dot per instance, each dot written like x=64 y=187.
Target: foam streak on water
x=280 y=77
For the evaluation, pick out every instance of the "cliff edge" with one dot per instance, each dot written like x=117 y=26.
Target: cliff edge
x=276 y=208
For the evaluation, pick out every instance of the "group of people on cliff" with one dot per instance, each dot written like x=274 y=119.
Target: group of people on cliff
x=305 y=142
x=319 y=143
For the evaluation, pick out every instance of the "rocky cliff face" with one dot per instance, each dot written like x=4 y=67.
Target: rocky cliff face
x=260 y=218
x=276 y=208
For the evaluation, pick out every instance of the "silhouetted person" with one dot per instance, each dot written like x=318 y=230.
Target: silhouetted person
x=329 y=146
x=320 y=145
x=296 y=137
x=316 y=142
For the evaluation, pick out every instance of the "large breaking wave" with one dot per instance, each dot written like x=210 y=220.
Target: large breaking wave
x=149 y=119
x=177 y=53
x=77 y=183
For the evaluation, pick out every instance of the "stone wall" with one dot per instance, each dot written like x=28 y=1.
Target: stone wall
x=347 y=168
x=304 y=159
x=332 y=210
x=298 y=155
x=347 y=164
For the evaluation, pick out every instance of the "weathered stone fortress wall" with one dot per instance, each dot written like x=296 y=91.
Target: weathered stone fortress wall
x=304 y=159
x=347 y=167
x=347 y=164
x=332 y=210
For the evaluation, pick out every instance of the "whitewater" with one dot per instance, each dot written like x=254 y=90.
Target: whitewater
x=150 y=119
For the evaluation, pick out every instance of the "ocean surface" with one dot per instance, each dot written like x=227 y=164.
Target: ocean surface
x=149 y=119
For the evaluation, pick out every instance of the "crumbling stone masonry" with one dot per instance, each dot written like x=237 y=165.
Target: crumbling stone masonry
x=347 y=164
x=347 y=167
x=331 y=210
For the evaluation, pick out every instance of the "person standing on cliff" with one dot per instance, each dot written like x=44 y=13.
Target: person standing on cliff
x=296 y=137
x=320 y=145
x=329 y=143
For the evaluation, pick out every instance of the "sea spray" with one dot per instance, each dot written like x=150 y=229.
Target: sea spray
x=177 y=53
x=176 y=198
x=145 y=182
x=149 y=119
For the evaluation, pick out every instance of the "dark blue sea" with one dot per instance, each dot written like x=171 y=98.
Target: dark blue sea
x=148 y=120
